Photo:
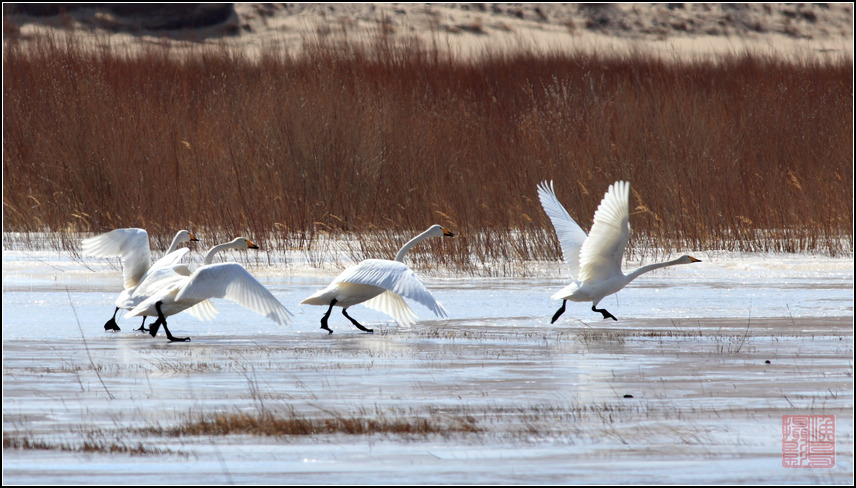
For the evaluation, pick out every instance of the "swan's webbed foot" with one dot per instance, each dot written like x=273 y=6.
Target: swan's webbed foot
x=153 y=329
x=606 y=314
x=142 y=326
x=111 y=324
x=174 y=339
x=357 y=324
x=559 y=312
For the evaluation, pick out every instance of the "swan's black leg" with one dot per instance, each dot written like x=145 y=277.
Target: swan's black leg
x=111 y=324
x=327 y=316
x=359 y=326
x=606 y=314
x=143 y=325
x=153 y=330
x=559 y=312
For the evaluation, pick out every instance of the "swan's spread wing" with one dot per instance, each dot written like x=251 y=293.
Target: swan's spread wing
x=571 y=236
x=130 y=245
x=395 y=277
x=394 y=306
x=600 y=256
x=234 y=283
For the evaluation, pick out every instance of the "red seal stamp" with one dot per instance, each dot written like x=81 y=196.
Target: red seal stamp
x=808 y=441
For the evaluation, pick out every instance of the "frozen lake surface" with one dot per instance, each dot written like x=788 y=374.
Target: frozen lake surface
x=690 y=385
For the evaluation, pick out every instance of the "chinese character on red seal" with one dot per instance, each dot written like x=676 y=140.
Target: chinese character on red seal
x=808 y=441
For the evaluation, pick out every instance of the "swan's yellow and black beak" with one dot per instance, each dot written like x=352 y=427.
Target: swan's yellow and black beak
x=251 y=245
x=694 y=260
x=193 y=237
x=447 y=233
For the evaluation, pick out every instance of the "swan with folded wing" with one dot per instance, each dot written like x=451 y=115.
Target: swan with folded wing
x=382 y=285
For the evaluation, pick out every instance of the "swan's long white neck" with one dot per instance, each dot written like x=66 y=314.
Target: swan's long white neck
x=412 y=242
x=175 y=242
x=651 y=267
x=209 y=258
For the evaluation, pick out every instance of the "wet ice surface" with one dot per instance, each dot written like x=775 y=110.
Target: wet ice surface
x=547 y=402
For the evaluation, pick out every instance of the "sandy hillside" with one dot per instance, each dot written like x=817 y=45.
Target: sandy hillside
x=470 y=28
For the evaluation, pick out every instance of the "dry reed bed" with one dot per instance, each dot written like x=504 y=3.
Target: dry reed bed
x=522 y=423
x=749 y=153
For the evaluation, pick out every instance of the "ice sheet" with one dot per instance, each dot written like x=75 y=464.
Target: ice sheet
x=547 y=401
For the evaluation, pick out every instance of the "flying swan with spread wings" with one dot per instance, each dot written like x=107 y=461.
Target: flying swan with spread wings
x=595 y=259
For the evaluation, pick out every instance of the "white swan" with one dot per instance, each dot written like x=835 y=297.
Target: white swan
x=595 y=260
x=132 y=247
x=168 y=268
x=380 y=284
x=171 y=289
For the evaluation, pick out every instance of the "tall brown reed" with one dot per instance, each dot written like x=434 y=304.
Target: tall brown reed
x=749 y=152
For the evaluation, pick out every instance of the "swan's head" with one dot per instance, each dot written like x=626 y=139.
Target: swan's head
x=242 y=243
x=437 y=230
x=185 y=236
x=236 y=243
x=686 y=259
